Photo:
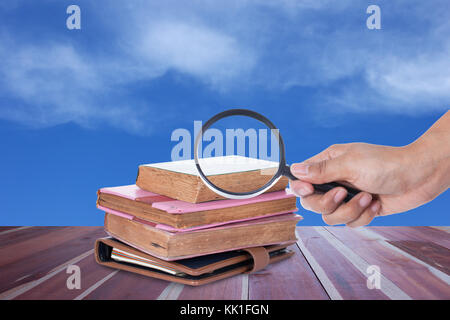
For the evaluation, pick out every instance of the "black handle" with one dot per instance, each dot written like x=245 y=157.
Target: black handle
x=325 y=187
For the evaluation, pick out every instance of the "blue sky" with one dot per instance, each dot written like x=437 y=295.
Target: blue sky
x=81 y=109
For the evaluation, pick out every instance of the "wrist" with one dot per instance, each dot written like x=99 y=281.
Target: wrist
x=428 y=162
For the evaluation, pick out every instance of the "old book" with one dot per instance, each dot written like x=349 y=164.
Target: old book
x=179 y=214
x=179 y=244
x=180 y=179
x=145 y=261
x=194 y=271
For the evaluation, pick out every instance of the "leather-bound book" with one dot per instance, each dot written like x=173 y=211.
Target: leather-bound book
x=179 y=214
x=169 y=243
x=191 y=271
x=180 y=179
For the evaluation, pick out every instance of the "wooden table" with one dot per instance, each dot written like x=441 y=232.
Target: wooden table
x=330 y=263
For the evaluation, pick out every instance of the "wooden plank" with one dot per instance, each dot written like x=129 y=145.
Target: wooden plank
x=350 y=282
x=426 y=234
x=56 y=287
x=16 y=235
x=25 y=287
x=19 y=250
x=171 y=292
x=326 y=283
x=443 y=228
x=413 y=278
x=429 y=252
x=405 y=256
x=388 y=287
x=370 y=234
x=288 y=279
x=226 y=289
x=4 y=228
x=10 y=229
x=128 y=285
x=37 y=263
x=93 y=287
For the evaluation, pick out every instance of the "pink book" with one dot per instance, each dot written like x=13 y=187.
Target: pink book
x=171 y=229
x=179 y=216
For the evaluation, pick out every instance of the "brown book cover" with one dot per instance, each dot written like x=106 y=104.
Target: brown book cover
x=167 y=245
x=192 y=271
x=180 y=214
x=180 y=179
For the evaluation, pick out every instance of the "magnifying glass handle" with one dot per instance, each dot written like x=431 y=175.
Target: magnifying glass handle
x=322 y=188
x=325 y=187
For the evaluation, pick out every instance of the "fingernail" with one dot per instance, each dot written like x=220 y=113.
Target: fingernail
x=340 y=195
x=365 y=200
x=375 y=207
x=302 y=191
x=289 y=191
x=300 y=169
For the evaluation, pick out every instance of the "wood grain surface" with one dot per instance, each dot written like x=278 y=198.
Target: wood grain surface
x=330 y=263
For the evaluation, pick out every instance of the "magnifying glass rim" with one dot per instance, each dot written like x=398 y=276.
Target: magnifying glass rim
x=249 y=194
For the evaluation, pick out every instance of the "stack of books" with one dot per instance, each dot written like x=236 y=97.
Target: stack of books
x=170 y=226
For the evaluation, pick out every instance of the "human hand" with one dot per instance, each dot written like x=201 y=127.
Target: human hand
x=391 y=179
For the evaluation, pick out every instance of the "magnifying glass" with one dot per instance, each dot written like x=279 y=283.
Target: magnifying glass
x=237 y=126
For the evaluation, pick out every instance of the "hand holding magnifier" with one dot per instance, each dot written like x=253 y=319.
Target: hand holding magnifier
x=283 y=168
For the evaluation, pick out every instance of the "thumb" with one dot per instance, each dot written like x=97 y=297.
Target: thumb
x=322 y=171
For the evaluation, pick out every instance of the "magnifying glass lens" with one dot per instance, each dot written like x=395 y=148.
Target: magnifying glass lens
x=239 y=156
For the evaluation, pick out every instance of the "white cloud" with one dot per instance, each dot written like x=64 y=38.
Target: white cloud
x=200 y=51
x=413 y=81
x=50 y=84
x=271 y=45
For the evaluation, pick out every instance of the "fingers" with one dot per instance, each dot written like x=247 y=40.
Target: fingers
x=357 y=212
x=322 y=171
x=349 y=211
x=326 y=166
x=333 y=164
x=367 y=216
x=321 y=203
x=301 y=188
x=324 y=203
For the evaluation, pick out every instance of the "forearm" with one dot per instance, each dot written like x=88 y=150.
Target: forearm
x=437 y=139
x=430 y=155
